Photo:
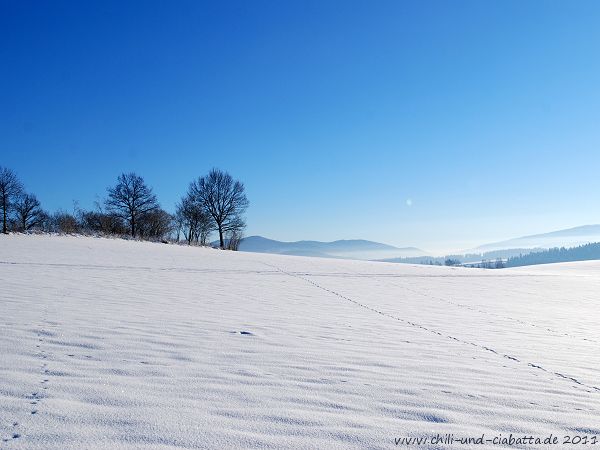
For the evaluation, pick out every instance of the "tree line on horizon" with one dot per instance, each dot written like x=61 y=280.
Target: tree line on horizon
x=499 y=259
x=586 y=252
x=215 y=202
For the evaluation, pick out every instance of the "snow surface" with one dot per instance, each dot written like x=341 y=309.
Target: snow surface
x=117 y=344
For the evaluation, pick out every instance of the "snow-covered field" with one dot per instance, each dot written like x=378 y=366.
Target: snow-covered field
x=116 y=344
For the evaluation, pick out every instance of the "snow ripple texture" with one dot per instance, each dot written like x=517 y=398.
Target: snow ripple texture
x=107 y=343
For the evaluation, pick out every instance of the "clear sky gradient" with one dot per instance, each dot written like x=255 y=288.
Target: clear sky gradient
x=442 y=125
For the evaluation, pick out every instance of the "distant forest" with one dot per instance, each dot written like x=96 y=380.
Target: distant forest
x=469 y=258
x=554 y=255
x=511 y=257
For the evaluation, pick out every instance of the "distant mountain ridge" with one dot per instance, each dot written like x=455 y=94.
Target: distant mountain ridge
x=348 y=249
x=369 y=250
x=570 y=237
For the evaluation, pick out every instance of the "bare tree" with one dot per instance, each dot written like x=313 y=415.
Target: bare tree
x=63 y=222
x=156 y=224
x=204 y=229
x=28 y=211
x=194 y=220
x=10 y=189
x=234 y=238
x=101 y=222
x=223 y=198
x=131 y=199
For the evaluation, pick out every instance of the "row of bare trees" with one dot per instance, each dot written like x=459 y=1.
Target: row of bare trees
x=20 y=211
x=213 y=203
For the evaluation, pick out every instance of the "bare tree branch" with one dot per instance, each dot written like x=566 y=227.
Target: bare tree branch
x=28 y=212
x=131 y=199
x=223 y=198
x=10 y=189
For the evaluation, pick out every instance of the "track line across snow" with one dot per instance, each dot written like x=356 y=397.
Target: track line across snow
x=430 y=330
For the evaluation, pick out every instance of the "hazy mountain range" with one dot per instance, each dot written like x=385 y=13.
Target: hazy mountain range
x=570 y=237
x=369 y=250
x=349 y=249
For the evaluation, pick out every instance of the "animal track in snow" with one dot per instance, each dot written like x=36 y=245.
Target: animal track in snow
x=417 y=325
x=35 y=398
x=492 y=314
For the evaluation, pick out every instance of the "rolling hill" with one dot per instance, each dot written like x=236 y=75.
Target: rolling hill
x=108 y=343
x=346 y=249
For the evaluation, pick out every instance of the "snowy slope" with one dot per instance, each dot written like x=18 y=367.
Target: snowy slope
x=115 y=344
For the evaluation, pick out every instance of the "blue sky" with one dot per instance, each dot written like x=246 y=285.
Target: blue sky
x=485 y=115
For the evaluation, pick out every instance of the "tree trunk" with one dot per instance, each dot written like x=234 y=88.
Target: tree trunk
x=132 y=226
x=4 y=214
x=221 y=237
